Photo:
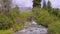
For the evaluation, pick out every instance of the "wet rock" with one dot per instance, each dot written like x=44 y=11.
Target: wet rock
x=33 y=29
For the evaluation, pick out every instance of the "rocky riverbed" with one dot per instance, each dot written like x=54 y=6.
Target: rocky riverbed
x=33 y=29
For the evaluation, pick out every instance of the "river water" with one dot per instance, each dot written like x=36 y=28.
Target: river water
x=34 y=28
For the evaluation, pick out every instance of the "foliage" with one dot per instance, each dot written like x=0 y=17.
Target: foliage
x=44 y=18
x=17 y=20
x=37 y=3
x=5 y=22
x=56 y=12
x=50 y=20
x=44 y=5
x=49 y=7
x=25 y=16
x=15 y=17
x=6 y=6
x=12 y=20
x=54 y=28
x=7 y=3
x=9 y=31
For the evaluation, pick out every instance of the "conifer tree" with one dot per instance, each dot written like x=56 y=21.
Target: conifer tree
x=49 y=6
x=37 y=3
x=44 y=5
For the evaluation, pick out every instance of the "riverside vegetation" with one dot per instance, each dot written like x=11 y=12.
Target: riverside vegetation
x=14 y=20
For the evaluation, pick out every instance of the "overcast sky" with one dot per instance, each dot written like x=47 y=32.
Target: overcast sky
x=29 y=3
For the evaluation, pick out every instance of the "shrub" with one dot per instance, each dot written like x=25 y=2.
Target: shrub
x=44 y=18
x=54 y=28
x=15 y=17
x=5 y=22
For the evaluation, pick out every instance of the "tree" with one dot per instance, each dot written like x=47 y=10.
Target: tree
x=6 y=6
x=6 y=3
x=16 y=9
x=44 y=4
x=49 y=6
x=37 y=3
x=5 y=21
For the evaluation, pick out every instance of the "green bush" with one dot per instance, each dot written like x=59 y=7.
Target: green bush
x=54 y=28
x=44 y=18
x=5 y=22
x=55 y=12
x=15 y=17
x=49 y=19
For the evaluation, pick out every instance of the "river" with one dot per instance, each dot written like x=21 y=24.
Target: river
x=34 y=28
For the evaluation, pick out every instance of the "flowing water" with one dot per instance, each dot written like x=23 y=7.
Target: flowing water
x=33 y=29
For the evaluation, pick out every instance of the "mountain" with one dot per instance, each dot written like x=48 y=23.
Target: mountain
x=23 y=9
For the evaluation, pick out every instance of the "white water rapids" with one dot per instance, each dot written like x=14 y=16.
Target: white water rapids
x=33 y=29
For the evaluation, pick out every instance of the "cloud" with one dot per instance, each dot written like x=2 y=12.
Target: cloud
x=23 y=3
x=55 y=3
x=29 y=3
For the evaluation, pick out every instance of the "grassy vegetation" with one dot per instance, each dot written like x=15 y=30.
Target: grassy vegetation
x=5 y=22
x=49 y=19
x=18 y=21
x=25 y=17
x=44 y=17
x=9 y=31
x=54 y=28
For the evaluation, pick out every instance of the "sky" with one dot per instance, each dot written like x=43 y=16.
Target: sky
x=29 y=3
x=55 y=3
x=23 y=3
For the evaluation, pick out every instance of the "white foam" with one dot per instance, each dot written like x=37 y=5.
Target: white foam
x=33 y=22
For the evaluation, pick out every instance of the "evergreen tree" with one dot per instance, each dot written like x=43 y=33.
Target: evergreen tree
x=37 y=3
x=44 y=4
x=49 y=6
